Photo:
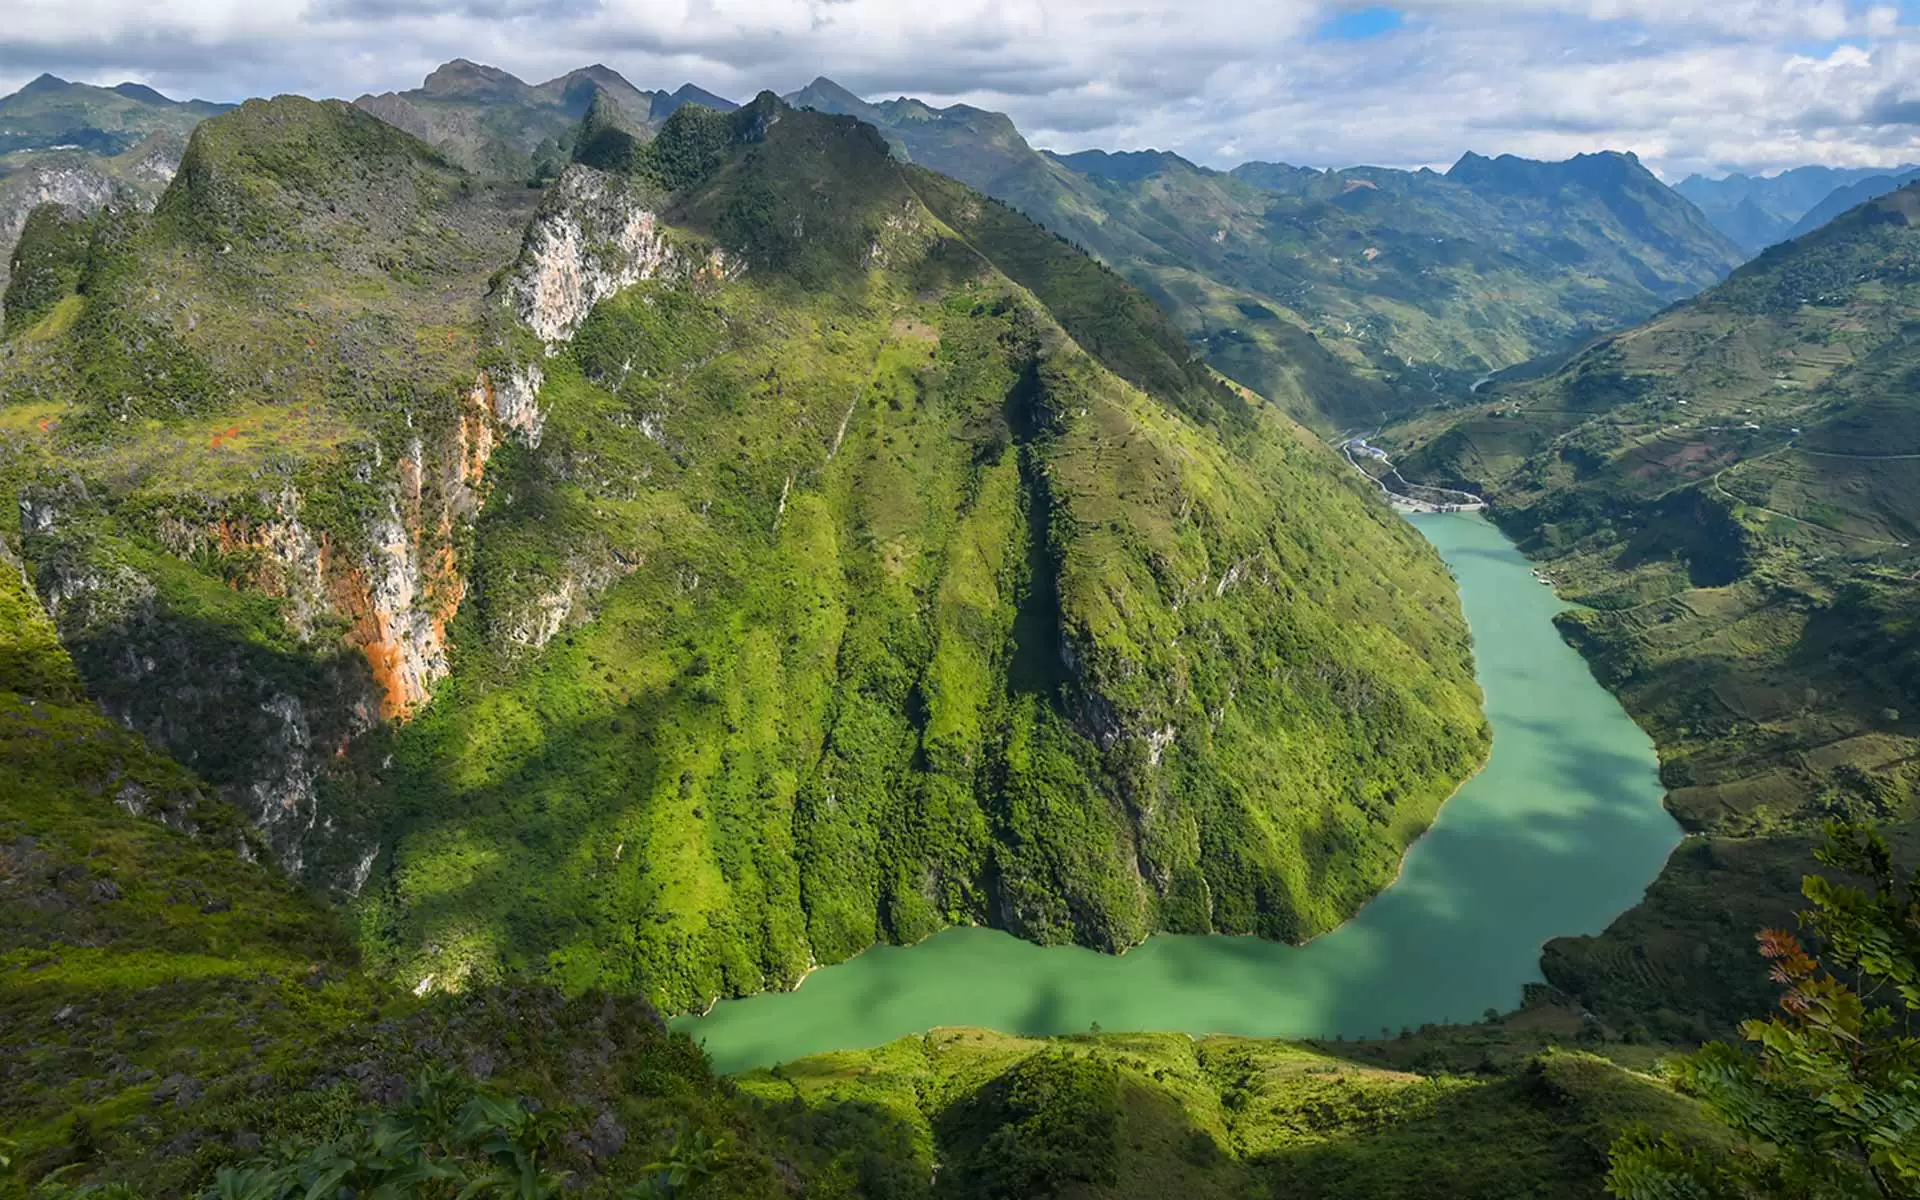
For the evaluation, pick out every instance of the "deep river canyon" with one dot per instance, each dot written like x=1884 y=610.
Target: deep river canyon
x=1560 y=832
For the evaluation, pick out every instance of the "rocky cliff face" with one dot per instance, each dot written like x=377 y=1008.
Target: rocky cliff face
x=408 y=583
x=595 y=235
x=74 y=184
x=84 y=184
x=362 y=597
x=358 y=636
x=259 y=575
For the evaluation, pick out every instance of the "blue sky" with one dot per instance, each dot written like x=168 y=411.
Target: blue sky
x=1359 y=24
x=1708 y=85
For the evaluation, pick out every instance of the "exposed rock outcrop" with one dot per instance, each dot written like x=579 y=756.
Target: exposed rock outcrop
x=71 y=183
x=84 y=184
x=594 y=235
x=365 y=618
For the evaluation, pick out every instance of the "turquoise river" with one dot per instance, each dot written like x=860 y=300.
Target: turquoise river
x=1561 y=831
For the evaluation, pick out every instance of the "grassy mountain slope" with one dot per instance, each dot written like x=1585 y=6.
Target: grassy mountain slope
x=1496 y=262
x=746 y=555
x=245 y=434
x=1757 y=211
x=1730 y=488
x=1113 y=1115
x=1848 y=196
x=170 y=1012
x=1245 y=333
x=903 y=604
x=500 y=127
x=1350 y=295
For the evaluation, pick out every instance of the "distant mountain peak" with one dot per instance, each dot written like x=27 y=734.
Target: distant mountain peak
x=598 y=73
x=822 y=84
x=665 y=104
x=828 y=96
x=44 y=83
x=1124 y=166
x=1508 y=171
x=688 y=93
x=575 y=91
x=141 y=92
x=463 y=77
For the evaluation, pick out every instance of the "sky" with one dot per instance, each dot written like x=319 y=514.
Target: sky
x=1688 y=85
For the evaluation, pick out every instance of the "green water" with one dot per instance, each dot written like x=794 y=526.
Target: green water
x=1559 y=833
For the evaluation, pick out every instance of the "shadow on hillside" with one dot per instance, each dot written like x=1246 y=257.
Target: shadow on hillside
x=537 y=886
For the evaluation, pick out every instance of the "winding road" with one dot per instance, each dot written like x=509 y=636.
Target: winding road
x=1468 y=502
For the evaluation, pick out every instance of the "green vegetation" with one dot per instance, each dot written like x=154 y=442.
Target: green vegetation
x=209 y=414
x=177 y=1021
x=872 y=562
x=1727 y=489
x=1347 y=297
x=1829 y=1099
x=854 y=558
x=1164 y=1115
x=85 y=147
x=47 y=263
x=181 y=1022
x=914 y=613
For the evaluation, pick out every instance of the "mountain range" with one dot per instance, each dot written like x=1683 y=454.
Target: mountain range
x=84 y=146
x=1346 y=296
x=499 y=563
x=53 y=114
x=492 y=123
x=759 y=537
x=1757 y=211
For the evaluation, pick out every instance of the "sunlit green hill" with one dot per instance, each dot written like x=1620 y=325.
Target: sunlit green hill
x=180 y=1021
x=743 y=551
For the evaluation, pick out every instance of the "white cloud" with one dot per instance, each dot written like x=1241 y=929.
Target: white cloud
x=1688 y=84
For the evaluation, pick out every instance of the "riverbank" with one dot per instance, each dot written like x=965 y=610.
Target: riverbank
x=1559 y=833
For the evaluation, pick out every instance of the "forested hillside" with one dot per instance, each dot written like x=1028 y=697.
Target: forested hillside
x=743 y=551
x=502 y=567
x=178 y=1021
x=1730 y=488
x=1346 y=296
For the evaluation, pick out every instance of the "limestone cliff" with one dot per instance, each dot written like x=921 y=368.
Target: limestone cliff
x=83 y=183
